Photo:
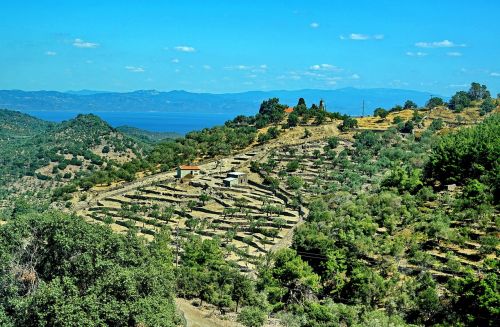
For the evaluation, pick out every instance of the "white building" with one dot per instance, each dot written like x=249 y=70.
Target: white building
x=183 y=171
x=241 y=177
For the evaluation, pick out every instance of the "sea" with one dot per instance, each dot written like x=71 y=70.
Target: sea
x=156 y=121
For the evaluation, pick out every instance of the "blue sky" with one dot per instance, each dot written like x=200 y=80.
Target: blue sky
x=231 y=46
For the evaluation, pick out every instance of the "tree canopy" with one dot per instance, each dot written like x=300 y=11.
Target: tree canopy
x=58 y=270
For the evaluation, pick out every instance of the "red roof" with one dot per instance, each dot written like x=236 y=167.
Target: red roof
x=289 y=110
x=189 y=167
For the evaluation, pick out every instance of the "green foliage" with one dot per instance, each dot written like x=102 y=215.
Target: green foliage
x=289 y=279
x=292 y=166
x=434 y=102
x=147 y=136
x=487 y=106
x=252 y=317
x=410 y=105
x=69 y=143
x=332 y=142
x=348 y=124
x=293 y=119
x=478 y=91
x=470 y=153
x=406 y=127
x=380 y=112
x=475 y=193
x=219 y=140
x=459 y=101
x=436 y=125
x=396 y=108
x=478 y=299
x=271 y=111
x=58 y=270
x=405 y=179
x=397 y=120
x=206 y=274
x=295 y=182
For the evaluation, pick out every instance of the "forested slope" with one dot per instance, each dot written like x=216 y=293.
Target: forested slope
x=34 y=152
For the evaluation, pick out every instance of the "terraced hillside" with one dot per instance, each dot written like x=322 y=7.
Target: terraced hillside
x=285 y=176
x=251 y=219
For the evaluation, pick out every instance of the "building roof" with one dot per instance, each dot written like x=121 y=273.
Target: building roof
x=289 y=110
x=235 y=173
x=189 y=167
x=229 y=179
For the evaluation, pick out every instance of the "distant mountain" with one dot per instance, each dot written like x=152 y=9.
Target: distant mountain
x=85 y=92
x=346 y=100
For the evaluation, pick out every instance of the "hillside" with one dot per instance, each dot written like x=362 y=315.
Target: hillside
x=339 y=220
x=14 y=124
x=35 y=154
x=351 y=220
x=147 y=136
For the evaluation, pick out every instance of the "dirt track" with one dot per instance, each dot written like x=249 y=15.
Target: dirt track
x=198 y=318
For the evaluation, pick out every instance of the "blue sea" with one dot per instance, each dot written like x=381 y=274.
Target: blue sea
x=179 y=122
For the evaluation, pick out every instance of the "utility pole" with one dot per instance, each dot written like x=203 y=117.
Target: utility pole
x=430 y=109
x=363 y=114
x=177 y=247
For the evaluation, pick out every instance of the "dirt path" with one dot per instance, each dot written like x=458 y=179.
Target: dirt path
x=198 y=318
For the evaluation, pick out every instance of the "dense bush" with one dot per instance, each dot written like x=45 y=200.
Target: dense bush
x=58 y=270
x=469 y=153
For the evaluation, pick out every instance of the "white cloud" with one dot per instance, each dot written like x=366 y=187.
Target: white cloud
x=324 y=67
x=439 y=44
x=254 y=69
x=416 y=54
x=495 y=74
x=314 y=25
x=175 y=61
x=362 y=37
x=355 y=76
x=207 y=67
x=454 y=54
x=50 y=53
x=134 y=69
x=238 y=67
x=184 y=48
x=79 y=43
x=358 y=37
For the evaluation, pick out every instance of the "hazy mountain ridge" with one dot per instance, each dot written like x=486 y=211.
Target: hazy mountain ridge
x=346 y=100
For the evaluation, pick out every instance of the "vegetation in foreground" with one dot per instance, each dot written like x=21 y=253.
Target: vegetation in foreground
x=58 y=270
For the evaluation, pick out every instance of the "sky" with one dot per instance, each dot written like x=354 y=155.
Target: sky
x=232 y=46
